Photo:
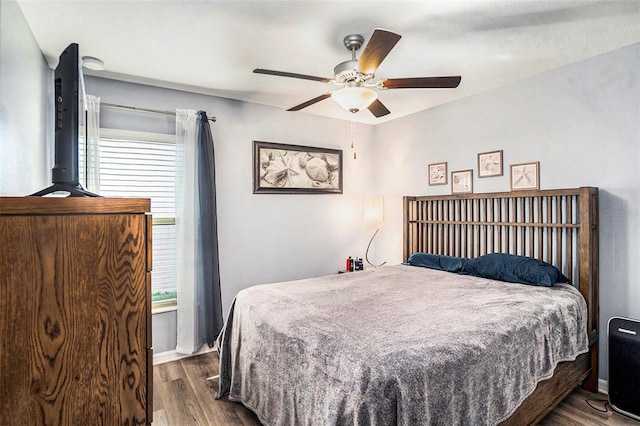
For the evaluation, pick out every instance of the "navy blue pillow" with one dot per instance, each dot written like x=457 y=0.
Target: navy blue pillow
x=515 y=269
x=437 y=261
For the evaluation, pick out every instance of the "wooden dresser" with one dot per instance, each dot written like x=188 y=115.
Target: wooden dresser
x=75 y=311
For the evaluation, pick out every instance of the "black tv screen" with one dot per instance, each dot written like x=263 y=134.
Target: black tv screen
x=69 y=119
x=67 y=98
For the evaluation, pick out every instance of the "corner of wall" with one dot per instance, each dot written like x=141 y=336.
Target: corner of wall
x=24 y=106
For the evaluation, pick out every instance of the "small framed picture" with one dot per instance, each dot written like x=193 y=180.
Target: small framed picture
x=525 y=176
x=462 y=182
x=490 y=164
x=438 y=173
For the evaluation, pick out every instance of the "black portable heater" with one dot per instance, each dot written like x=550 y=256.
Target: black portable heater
x=624 y=366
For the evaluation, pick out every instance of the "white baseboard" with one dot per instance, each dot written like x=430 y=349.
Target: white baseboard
x=603 y=386
x=168 y=356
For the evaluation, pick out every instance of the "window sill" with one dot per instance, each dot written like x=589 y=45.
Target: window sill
x=163 y=306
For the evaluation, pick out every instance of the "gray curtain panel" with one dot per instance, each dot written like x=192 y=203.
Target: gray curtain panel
x=208 y=290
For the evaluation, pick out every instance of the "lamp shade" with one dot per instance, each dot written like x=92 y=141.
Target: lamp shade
x=373 y=210
x=354 y=99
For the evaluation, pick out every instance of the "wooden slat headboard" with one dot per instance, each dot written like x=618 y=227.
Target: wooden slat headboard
x=557 y=226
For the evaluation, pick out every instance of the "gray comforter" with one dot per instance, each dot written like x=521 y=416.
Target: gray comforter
x=395 y=345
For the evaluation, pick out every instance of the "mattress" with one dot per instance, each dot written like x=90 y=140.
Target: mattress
x=395 y=345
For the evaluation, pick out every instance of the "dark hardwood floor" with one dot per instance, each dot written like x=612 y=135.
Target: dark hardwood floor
x=182 y=396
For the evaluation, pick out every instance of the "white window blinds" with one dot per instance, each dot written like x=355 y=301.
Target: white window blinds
x=135 y=164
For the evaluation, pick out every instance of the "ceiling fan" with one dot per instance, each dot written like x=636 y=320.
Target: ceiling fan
x=356 y=76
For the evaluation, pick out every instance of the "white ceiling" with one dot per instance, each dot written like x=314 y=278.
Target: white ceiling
x=212 y=47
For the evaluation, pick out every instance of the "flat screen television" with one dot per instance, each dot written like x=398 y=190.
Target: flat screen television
x=69 y=119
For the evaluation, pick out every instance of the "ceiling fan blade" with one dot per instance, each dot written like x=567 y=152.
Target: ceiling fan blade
x=378 y=47
x=422 y=83
x=378 y=109
x=291 y=74
x=310 y=102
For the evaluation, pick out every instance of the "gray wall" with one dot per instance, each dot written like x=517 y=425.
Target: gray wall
x=25 y=78
x=263 y=238
x=582 y=122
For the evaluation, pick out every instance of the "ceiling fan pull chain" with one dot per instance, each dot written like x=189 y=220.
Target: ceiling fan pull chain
x=353 y=136
x=353 y=132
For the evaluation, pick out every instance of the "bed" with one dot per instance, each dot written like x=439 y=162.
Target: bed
x=411 y=345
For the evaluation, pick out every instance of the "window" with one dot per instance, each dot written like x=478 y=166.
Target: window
x=142 y=165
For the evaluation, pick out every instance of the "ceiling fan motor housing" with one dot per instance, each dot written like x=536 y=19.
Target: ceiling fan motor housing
x=348 y=72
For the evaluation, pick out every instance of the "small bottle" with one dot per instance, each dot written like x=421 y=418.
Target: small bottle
x=348 y=265
x=352 y=264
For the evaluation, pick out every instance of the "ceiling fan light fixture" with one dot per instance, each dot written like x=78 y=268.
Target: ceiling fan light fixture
x=354 y=99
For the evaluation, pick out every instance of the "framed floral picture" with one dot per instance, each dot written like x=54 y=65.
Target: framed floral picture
x=490 y=164
x=525 y=176
x=462 y=182
x=438 y=173
x=296 y=169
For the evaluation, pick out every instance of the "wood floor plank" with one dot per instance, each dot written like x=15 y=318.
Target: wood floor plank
x=187 y=398
x=575 y=411
x=158 y=404
x=182 y=405
x=168 y=371
x=160 y=418
x=197 y=370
